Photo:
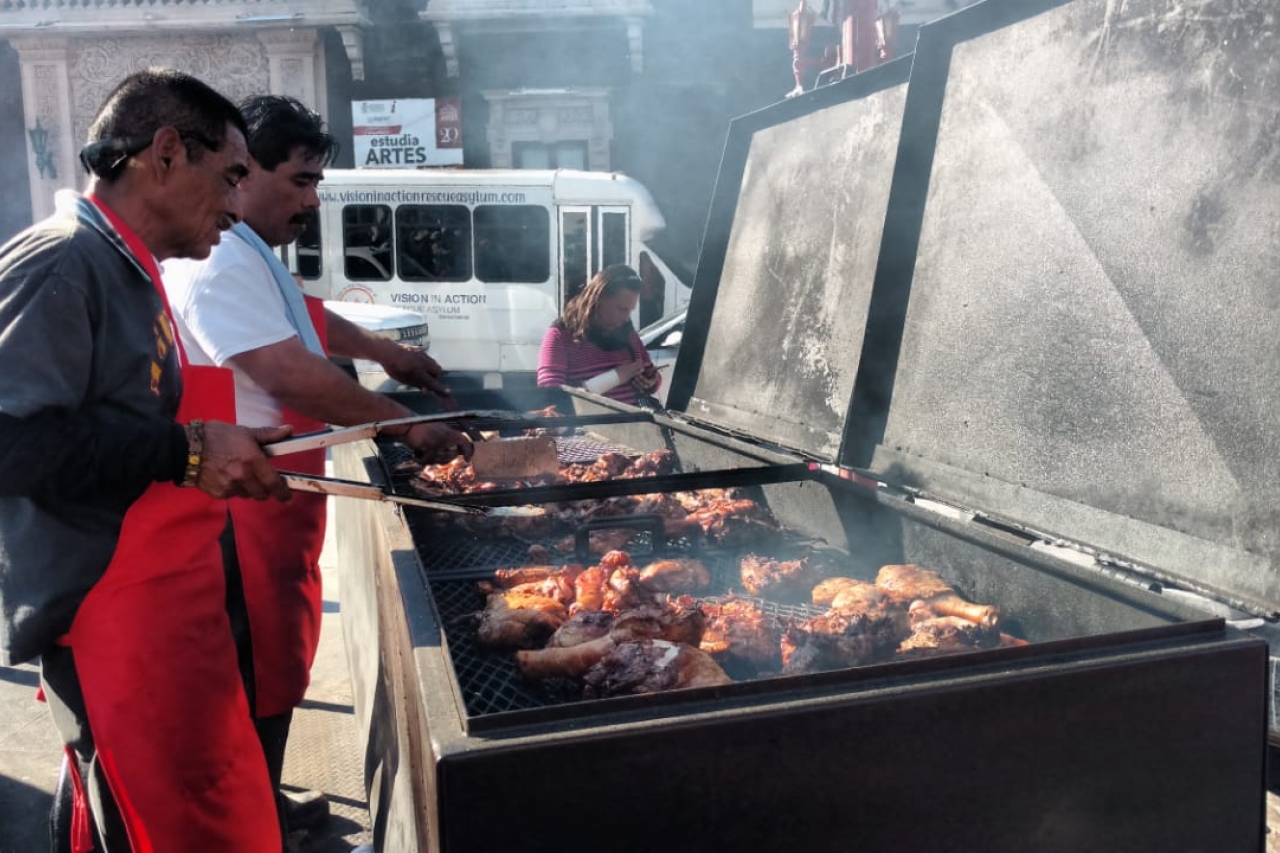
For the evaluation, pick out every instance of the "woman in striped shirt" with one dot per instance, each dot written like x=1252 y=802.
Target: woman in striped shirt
x=593 y=344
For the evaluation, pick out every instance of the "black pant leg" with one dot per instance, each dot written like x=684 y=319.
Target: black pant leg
x=66 y=704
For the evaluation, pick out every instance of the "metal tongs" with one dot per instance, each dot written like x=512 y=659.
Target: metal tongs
x=369 y=491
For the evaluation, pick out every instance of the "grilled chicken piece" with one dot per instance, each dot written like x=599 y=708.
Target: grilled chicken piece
x=582 y=626
x=519 y=620
x=727 y=522
x=738 y=630
x=650 y=666
x=557 y=587
x=508 y=578
x=655 y=463
x=557 y=583
x=563 y=662
x=924 y=588
x=947 y=635
x=780 y=580
x=677 y=622
x=679 y=575
x=853 y=590
x=589 y=589
x=623 y=591
x=841 y=638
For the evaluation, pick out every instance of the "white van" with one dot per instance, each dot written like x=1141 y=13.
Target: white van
x=488 y=257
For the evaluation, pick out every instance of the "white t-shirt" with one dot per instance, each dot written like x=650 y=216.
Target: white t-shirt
x=226 y=305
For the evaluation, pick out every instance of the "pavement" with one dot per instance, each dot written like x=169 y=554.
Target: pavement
x=323 y=751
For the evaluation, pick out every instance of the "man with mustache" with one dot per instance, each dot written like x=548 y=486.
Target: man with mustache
x=241 y=308
x=115 y=455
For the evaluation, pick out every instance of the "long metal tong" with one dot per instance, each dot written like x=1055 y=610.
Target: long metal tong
x=368 y=491
x=344 y=435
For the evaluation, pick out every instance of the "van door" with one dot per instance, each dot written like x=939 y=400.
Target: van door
x=591 y=238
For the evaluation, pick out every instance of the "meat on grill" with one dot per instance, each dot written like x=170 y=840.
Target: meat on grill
x=589 y=589
x=739 y=631
x=582 y=626
x=519 y=620
x=622 y=591
x=507 y=578
x=679 y=575
x=850 y=592
x=948 y=634
x=729 y=522
x=926 y=589
x=556 y=583
x=458 y=477
x=862 y=626
x=651 y=666
x=780 y=580
x=548 y=412
x=677 y=621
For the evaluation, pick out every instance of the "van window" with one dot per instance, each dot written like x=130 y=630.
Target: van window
x=366 y=242
x=574 y=267
x=513 y=243
x=613 y=239
x=433 y=242
x=307 y=247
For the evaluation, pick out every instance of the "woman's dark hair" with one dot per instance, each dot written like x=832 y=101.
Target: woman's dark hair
x=148 y=100
x=576 y=319
x=278 y=124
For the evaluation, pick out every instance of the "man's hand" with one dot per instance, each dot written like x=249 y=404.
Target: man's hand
x=436 y=444
x=234 y=465
x=410 y=365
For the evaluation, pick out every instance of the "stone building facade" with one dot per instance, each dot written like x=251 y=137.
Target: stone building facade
x=646 y=87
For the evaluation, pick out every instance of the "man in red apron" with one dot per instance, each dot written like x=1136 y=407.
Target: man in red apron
x=115 y=456
x=241 y=308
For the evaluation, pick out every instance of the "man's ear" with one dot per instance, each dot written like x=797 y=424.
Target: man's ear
x=165 y=147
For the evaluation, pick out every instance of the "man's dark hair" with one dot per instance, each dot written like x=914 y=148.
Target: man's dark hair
x=148 y=100
x=278 y=124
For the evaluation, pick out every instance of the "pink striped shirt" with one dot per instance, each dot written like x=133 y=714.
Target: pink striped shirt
x=564 y=361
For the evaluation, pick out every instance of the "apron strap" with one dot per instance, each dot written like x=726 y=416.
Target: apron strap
x=148 y=262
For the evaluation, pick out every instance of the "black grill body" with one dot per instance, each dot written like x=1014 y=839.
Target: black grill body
x=1022 y=285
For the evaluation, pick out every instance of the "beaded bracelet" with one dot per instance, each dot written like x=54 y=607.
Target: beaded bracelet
x=195 y=453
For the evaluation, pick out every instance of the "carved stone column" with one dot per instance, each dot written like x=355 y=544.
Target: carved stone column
x=635 y=43
x=448 y=47
x=292 y=56
x=46 y=102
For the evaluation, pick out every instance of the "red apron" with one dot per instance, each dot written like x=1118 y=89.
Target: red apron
x=157 y=663
x=279 y=546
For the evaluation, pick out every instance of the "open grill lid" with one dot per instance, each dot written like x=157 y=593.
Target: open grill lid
x=779 y=304
x=1054 y=302
x=1089 y=336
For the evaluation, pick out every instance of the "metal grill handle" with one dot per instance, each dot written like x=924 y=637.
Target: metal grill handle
x=645 y=521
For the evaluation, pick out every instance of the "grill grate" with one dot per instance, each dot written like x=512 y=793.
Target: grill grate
x=488 y=680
